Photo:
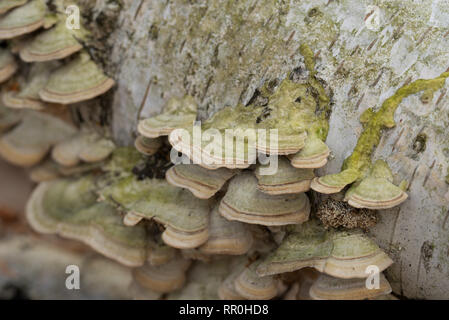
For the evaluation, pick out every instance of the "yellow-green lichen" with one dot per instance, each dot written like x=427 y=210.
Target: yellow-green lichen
x=375 y=122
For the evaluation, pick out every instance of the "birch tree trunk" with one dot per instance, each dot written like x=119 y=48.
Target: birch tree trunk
x=220 y=51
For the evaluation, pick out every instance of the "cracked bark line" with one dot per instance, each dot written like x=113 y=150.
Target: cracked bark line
x=220 y=51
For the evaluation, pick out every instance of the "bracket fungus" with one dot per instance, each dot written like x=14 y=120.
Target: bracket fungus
x=7 y=5
x=9 y=118
x=158 y=252
x=376 y=190
x=203 y=281
x=24 y=19
x=164 y=278
x=56 y=43
x=358 y=166
x=254 y=287
x=330 y=288
x=342 y=254
x=314 y=154
x=177 y=113
x=45 y=171
x=203 y=183
x=286 y=180
x=87 y=146
x=226 y=237
x=28 y=96
x=147 y=146
x=79 y=80
x=29 y=142
x=8 y=65
x=255 y=207
x=69 y=208
x=185 y=217
x=292 y=116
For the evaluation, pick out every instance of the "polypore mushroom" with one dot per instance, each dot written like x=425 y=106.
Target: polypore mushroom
x=24 y=19
x=159 y=253
x=184 y=216
x=147 y=146
x=178 y=113
x=276 y=123
x=87 y=146
x=203 y=183
x=254 y=287
x=28 y=96
x=334 y=183
x=313 y=155
x=203 y=281
x=8 y=65
x=56 y=43
x=163 y=278
x=330 y=288
x=69 y=208
x=286 y=180
x=227 y=291
x=138 y=292
x=79 y=80
x=45 y=171
x=340 y=254
x=246 y=203
x=7 y=5
x=305 y=278
x=9 y=118
x=28 y=143
x=376 y=190
x=226 y=237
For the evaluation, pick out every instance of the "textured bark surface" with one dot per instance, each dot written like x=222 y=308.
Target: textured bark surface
x=220 y=51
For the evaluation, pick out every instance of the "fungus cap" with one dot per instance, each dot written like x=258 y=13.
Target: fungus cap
x=246 y=203
x=56 y=43
x=309 y=246
x=87 y=146
x=352 y=253
x=376 y=190
x=334 y=183
x=29 y=142
x=178 y=113
x=28 y=96
x=164 y=278
x=185 y=217
x=285 y=180
x=24 y=19
x=330 y=288
x=203 y=281
x=147 y=146
x=46 y=171
x=8 y=65
x=340 y=254
x=69 y=208
x=314 y=154
x=203 y=183
x=254 y=287
x=7 y=5
x=9 y=118
x=226 y=237
x=79 y=80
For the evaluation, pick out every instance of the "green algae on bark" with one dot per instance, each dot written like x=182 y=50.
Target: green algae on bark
x=357 y=166
x=375 y=122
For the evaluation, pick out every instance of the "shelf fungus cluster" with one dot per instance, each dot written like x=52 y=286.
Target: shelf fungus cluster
x=222 y=208
x=57 y=68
